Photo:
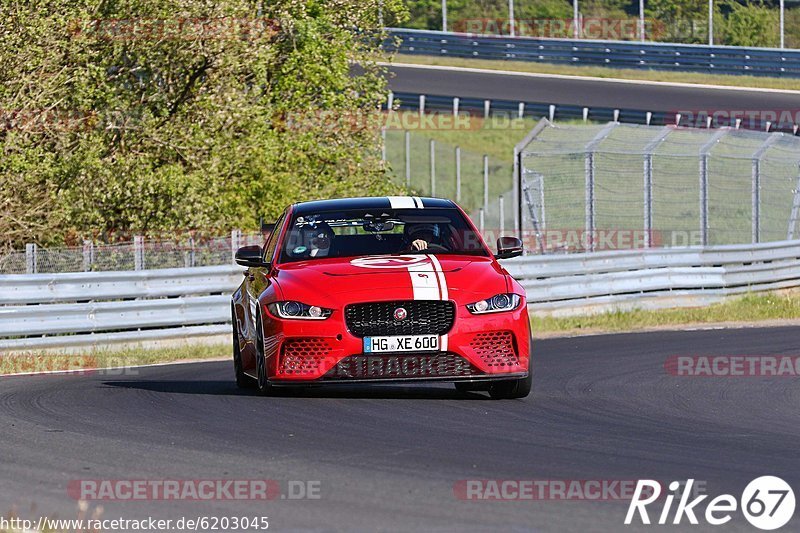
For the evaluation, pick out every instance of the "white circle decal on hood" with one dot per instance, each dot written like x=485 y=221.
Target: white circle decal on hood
x=390 y=261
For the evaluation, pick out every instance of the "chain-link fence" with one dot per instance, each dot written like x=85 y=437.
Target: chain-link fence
x=139 y=254
x=622 y=186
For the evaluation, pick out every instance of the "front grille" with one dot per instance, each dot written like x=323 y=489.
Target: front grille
x=407 y=366
x=303 y=355
x=425 y=317
x=495 y=348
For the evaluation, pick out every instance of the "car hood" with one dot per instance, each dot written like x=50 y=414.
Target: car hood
x=337 y=281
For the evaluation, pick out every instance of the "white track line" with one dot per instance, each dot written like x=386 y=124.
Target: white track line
x=591 y=78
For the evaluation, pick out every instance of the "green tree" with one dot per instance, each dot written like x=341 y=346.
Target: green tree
x=153 y=115
x=751 y=24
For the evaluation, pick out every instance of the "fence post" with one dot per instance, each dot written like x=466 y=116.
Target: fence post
x=516 y=197
x=383 y=144
x=756 y=200
x=458 y=173
x=704 y=199
x=481 y=221
x=648 y=199
x=138 y=252
x=408 y=159
x=485 y=182
x=704 y=156
x=433 y=168
x=502 y=216
x=236 y=238
x=88 y=255
x=589 y=199
x=31 y=258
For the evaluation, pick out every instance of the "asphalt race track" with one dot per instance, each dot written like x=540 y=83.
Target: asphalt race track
x=588 y=93
x=387 y=457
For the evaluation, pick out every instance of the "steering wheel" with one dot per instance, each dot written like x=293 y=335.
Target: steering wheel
x=436 y=248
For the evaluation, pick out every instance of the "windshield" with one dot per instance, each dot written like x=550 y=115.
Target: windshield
x=378 y=232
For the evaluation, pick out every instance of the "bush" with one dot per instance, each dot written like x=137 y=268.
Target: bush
x=151 y=115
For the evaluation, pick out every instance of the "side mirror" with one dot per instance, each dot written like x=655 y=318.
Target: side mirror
x=250 y=256
x=508 y=247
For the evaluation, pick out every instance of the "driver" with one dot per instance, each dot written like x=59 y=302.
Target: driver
x=315 y=241
x=419 y=236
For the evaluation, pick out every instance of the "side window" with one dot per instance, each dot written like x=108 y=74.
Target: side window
x=272 y=242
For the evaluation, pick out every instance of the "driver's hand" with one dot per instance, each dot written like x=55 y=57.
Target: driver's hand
x=420 y=244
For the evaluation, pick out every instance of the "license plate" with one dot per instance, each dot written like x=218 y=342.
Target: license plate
x=401 y=343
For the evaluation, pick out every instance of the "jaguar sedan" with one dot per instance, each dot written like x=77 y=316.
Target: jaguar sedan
x=388 y=289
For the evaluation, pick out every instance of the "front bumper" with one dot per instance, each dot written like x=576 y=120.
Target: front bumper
x=477 y=348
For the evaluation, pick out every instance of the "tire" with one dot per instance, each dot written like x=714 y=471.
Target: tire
x=262 y=383
x=512 y=388
x=243 y=381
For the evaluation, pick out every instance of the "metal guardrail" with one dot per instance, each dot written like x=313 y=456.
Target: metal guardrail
x=516 y=109
x=616 y=54
x=90 y=309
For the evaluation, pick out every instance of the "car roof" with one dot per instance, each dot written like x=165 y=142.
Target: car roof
x=374 y=202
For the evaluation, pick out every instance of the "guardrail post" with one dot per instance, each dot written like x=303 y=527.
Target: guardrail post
x=390 y=103
x=407 y=136
x=88 y=255
x=481 y=220
x=31 y=258
x=433 y=167
x=521 y=110
x=486 y=105
x=421 y=105
x=455 y=105
x=552 y=112
x=138 y=252
x=383 y=144
x=458 y=173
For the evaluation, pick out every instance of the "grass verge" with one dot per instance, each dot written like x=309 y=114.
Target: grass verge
x=603 y=72
x=117 y=358
x=752 y=309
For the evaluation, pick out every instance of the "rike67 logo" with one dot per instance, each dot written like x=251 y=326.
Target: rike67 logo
x=767 y=503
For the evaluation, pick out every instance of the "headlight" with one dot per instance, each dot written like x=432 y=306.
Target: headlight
x=495 y=304
x=298 y=310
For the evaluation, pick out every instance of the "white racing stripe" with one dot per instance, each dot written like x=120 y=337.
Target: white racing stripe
x=402 y=202
x=418 y=202
x=429 y=283
x=437 y=267
x=424 y=282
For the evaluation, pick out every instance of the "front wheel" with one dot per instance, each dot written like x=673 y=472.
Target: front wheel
x=512 y=388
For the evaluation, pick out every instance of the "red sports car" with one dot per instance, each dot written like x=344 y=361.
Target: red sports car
x=380 y=289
